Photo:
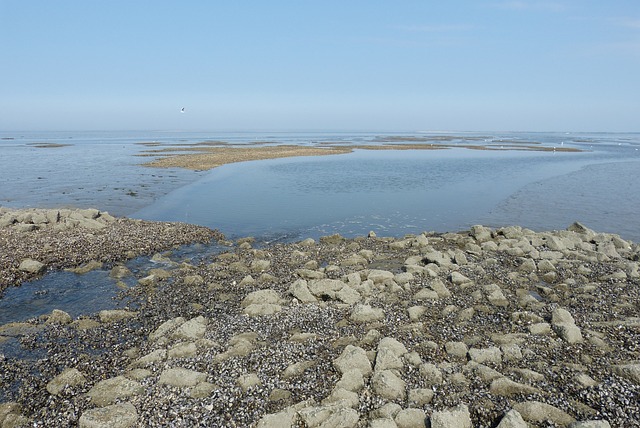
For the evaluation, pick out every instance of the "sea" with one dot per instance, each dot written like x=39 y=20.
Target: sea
x=389 y=192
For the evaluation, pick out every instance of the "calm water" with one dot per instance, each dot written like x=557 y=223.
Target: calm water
x=390 y=192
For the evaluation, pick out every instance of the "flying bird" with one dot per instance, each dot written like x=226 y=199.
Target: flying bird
x=182 y=111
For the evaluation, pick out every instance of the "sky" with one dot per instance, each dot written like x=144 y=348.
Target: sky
x=366 y=65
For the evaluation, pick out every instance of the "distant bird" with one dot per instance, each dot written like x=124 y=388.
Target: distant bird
x=182 y=111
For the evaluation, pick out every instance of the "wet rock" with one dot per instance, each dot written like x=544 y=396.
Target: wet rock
x=59 y=317
x=69 y=377
x=114 y=315
x=110 y=390
x=121 y=415
x=31 y=266
x=535 y=411
x=457 y=417
x=86 y=268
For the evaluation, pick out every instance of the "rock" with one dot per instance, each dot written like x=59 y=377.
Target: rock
x=58 y=317
x=297 y=369
x=202 y=390
x=565 y=327
x=119 y=272
x=629 y=371
x=181 y=377
x=411 y=418
x=300 y=290
x=459 y=279
x=331 y=416
x=506 y=387
x=486 y=355
x=456 y=349
x=69 y=377
x=31 y=266
x=512 y=419
x=108 y=316
x=183 y=350
x=86 y=268
x=267 y=296
x=590 y=424
x=249 y=380
x=348 y=295
x=353 y=357
x=431 y=374
x=326 y=287
x=382 y=423
x=426 y=294
x=352 y=380
x=166 y=328
x=151 y=358
x=441 y=290
x=379 y=276
x=458 y=417
x=387 y=359
x=121 y=415
x=193 y=329
x=388 y=385
x=540 y=328
x=535 y=411
x=108 y=391
x=480 y=233
x=364 y=313
x=420 y=396
x=262 y=309
x=343 y=398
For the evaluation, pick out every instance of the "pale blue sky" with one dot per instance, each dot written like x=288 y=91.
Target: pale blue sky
x=563 y=65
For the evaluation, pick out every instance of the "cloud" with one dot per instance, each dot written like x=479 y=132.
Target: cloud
x=522 y=5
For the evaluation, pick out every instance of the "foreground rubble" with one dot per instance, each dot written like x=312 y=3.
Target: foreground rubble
x=506 y=327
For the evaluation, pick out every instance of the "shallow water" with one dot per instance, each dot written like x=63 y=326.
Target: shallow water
x=390 y=192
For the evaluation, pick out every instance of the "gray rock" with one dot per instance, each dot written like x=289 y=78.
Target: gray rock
x=353 y=357
x=166 y=328
x=267 y=296
x=69 y=377
x=121 y=415
x=365 y=313
x=629 y=371
x=248 y=380
x=590 y=424
x=31 y=266
x=456 y=349
x=565 y=327
x=108 y=391
x=457 y=417
x=115 y=315
x=512 y=419
x=59 y=317
x=420 y=396
x=262 y=309
x=181 y=377
x=459 y=279
x=300 y=290
x=506 y=387
x=379 y=276
x=331 y=416
x=191 y=330
x=352 y=380
x=431 y=374
x=411 y=418
x=388 y=385
x=486 y=355
x=535 y=411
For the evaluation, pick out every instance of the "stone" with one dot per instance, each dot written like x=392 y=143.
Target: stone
x=382 y=423
x=590 y=424
x=114 y=315
x=181 y=377
x=629 y=371
x=420 y=396
x=153 y=357
x=58 y=317
x=431 y=374
x=415 y=312
x=486 y=355
x=331 y=416
x=441 y=290
x=119 y=272
x=506 y=387
x=262 y=309
x=411 y=418
x=387 y=359
x=352 y=380
x=459 y=279
x=456 y=349
x=108 y=391
x=326 y=287
x=166 y=328
x=86 y=268
x=193 y=329
x=342 y=397
x=388 y=385
x=540 y=328
x=300 y=290
x=457 y=417
x=202 y=390
x=379 y=276
x=426 y=294
x=69 y=377
x=362 y=313
x=31 y=266
x=348 y=295
x=535 y=411
x=353 y=357
x=121 y=415
x=297 y=369
x=249 y=380
x=512 y=419
x=183 y=350
x=267 y=296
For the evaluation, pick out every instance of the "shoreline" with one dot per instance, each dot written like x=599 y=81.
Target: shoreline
x=475 y=327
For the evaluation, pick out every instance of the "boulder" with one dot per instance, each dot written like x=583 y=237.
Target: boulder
x=457 y=417
x=121 y=415
x=535 y=411
x=411 y=418
x=69 y=377
x=110 y=390
x=181 y=377
x=191 y=330
x=31 y=266
x=300 y=290
x=365 y=313
x=388 y=385
x=353 y=357
x=58 y=317
x=512 y=419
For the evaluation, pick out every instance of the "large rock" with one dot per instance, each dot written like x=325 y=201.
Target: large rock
x=512 y=419
x=121 y=415
x=353 y=357
x=630 y=371
x=110 y=390
x=458 y=417
x=565 y=327
x=388 y=385
x=31 y=266
x=69 y=377
x=181 y=377
x=535 y=411
x=191 y=330
x=365 y=313
x=506 y=387
x=300 y=290
x=261 y=297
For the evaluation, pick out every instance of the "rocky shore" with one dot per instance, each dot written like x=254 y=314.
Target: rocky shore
x=482 y=328
x=33 y=241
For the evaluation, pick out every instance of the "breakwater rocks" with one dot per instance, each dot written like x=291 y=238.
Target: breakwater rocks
x=34 y=240
x=482 y=328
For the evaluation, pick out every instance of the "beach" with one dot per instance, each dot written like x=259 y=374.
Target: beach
x=473 y=328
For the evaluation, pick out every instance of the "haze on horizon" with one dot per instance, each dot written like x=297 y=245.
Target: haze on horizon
x=558 y=65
